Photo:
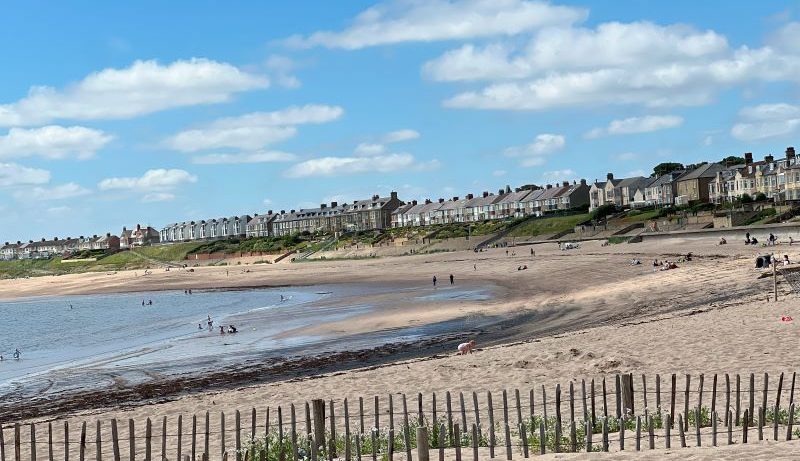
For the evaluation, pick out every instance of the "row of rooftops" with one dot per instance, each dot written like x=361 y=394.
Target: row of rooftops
x=55 y=242
x=526 y=194
x=376 y=202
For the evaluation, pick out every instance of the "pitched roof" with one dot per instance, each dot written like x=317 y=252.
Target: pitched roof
x=709 y=170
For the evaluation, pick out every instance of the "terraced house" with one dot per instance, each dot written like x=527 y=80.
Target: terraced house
x=211 y=229
x=361 y=215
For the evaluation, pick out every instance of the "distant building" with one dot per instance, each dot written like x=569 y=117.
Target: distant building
x=212 y=229
x=139 y=236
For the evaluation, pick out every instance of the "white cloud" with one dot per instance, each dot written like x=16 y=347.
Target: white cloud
x=12 y=174
x=627 y=156
x=636 y=173
x=329 y=166
x=142 y=88
x=53 y=142
x=635 y=63
x=152 y=179
x=59 y=210
x=158 y=197
x=267 y=201
x=498 y=173
x=708 y=140
x=249 y=157
x=64 y=191
x=281 y=67
x=558 y=175
x=433 y=20
x=400 y=135
x=254 y=130
x=368 y=149
x=633 y=125
x=533 y=154
x=767 y=121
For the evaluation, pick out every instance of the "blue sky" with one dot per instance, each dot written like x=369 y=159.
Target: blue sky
x=114 y=114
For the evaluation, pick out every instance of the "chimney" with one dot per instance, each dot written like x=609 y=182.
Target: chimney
x=393 y=194
x=441 y=200
x=108 y=234
x=19 y=243
x=138 y=227
x=427 y=201
x=485 y=194
x=292 y=211
x=609 y=176
x=583 y=182
x=124 y=228
x=81 y=237
x=565 y=183
x=414 y=202
x=549 y=186
x=283 y=211
x=501 y=191
x=455 y=199
x=323 y=206
x=55 y=239
x=269 y=212
x=769 y=158
x=748 y=158
x=790 y=153
x=44 y=239
x=334 y=204
x=375 y=197
x=470 y=196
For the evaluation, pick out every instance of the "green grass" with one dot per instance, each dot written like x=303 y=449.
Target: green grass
x=546 y=226
x=639 y=216
x=175 y=252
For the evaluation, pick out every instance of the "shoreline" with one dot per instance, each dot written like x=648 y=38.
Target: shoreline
x=562 y=295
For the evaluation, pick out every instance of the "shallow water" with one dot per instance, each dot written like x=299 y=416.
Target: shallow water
x=71 y=343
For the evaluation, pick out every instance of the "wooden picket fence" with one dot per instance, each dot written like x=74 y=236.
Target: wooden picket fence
x=617 y=412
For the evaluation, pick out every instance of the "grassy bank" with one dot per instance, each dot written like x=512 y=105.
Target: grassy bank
x=545 y=226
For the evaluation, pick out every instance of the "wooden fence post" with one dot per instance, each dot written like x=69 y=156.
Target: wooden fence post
x=164 y=439
x=713 y=428
x=491 y=425
x=658 y=392
x=638 y=433
x=49 y=441
x=423 y=450
x=178 y=456
x=33 y=440
x=667 y=427
x=475 y=443
x=672 y=399
x=115 y=439
x=449 y=407
x=66 y=441
x=738 y=398
x=627 y=395
x=790 y=422
x=332 y=442
x=148 y=440
x=18 y=442
x=714 y=394
x=132 y=441
x=752 y=397
x=644 y=394
x=681 y=433
x=727 y=397
x=98 y=443
x=686 y=404
x=619 y=396
x=745 y=423
x=347 y=449
x=207 y=439
x=318 y=406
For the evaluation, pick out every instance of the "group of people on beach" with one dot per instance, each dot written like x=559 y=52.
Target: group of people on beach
x=452 y=280
x=772 y=240
x=17 y=355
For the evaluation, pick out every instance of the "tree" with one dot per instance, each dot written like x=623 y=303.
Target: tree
x=732 y=160
x=745 y=198
x=760 y=197
x=665 y=167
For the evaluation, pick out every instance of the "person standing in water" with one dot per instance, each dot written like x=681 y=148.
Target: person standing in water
x=434 y=281
x=452 y=279
x=17 y=354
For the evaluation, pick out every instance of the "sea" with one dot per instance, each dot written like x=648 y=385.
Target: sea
x=84 y=342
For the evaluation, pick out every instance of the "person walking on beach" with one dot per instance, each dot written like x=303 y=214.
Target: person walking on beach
x=474 y=267
x=434 y=281
x=143 y=302
x=451 y=279
x=17 y=354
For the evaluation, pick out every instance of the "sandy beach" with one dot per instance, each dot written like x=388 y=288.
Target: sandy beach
x=583 y=314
